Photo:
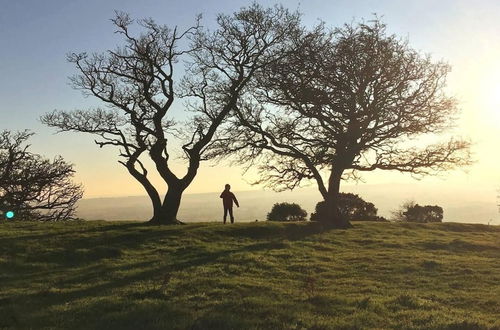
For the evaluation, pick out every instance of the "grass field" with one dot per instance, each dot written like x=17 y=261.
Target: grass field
x=102 y=275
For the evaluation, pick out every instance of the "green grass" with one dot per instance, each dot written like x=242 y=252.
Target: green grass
x=102 y=275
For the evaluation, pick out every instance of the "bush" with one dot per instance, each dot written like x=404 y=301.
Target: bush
x=412 y=212
x=426 y=213
x=287 y=212
x=352 y=207
x=399 y=214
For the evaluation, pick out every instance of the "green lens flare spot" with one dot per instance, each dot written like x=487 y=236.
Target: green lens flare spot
x=9 y=214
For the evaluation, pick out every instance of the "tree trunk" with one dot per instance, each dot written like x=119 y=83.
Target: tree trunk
x=167 y=213
x=332 y=215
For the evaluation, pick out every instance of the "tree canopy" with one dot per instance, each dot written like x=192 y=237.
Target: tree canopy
x=349 y=100
x=33 y=187
x=423 y=213
x=137 y=85
x=352 y=207
x=287 y=212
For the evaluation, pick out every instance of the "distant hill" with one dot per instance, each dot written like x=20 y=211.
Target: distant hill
x=475 y=205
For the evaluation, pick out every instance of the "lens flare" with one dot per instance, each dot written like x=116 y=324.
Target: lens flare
x=9 y=214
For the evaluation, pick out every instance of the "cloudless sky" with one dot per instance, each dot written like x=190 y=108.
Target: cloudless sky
x=35 y=37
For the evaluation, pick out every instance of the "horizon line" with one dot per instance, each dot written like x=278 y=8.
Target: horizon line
x=312 y=187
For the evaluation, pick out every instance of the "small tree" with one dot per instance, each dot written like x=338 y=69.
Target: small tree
x=412 y=212
x=425 y=213
x=136 y=84
x=399 y=214
x=348 y=101
x=33 y=187
x=352 y=207
x=287 y=212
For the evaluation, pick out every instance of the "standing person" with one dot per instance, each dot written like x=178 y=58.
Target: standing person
x=227 y=201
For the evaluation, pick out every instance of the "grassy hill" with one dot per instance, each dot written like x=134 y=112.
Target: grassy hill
x=105 y=275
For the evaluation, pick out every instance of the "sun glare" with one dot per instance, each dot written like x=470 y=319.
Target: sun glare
x=490 y=95
x=494 y=100
x=483 y=90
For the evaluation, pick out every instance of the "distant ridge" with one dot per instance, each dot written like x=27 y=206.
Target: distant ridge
x=474 y=205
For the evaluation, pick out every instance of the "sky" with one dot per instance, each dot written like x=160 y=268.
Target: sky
x=35 y=37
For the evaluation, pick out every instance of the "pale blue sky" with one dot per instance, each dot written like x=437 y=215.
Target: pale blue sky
x=36 y=35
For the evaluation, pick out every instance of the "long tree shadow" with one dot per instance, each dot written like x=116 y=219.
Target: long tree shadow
x=150 y=270
x=269 y=230
x=95 y=252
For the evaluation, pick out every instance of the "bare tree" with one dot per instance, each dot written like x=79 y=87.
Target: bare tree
x=350 y=100
x=136 y=83
x=398 y=215
x=33 y=187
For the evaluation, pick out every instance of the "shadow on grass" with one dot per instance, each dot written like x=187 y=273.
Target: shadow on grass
x=452 y=227
x=83 y=256
x=129 y=275
x=458 y=245
x=277 y=230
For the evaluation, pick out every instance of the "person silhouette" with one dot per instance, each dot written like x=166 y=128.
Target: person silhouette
x=227 y=201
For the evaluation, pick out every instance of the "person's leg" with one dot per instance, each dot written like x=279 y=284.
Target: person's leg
x=231 y=214
x=225 y=214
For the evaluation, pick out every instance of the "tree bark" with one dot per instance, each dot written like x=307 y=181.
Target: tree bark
x=166 y=214
x=332 y=215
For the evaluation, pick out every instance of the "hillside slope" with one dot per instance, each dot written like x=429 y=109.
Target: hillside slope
x=105 y=275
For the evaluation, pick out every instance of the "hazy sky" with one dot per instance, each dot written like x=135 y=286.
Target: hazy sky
x=36 y=35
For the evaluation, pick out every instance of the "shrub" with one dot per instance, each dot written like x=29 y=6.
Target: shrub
x=399 y=214
x=287 y=212
x=412 y=212
x=352 y=207
x=426 y=213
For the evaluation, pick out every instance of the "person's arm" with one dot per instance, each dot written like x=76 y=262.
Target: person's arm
x=236 y=201
x=221 y=195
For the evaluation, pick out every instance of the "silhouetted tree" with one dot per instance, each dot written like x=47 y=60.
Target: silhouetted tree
x=399 y=214
x=351 y=100
x=425 y=213
x=287 y=212
x=136 y=83
x=352 y=207
x=33 y=187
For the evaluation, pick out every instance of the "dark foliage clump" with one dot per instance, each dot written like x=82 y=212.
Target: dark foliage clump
x=287 y=212
x=352 y=207
x=425 y=213
x=412 y=212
